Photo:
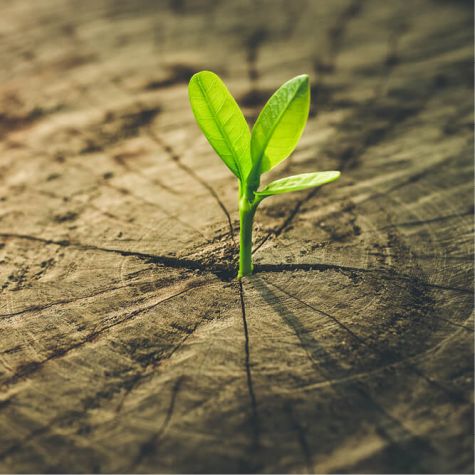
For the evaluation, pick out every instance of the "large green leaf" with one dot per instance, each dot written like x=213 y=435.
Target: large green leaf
x=221 y=121
x=298 y=182
x=280 y=124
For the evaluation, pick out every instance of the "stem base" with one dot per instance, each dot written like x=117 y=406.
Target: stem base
x=246 y=219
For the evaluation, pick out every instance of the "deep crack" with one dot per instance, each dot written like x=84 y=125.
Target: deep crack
x=250 y=386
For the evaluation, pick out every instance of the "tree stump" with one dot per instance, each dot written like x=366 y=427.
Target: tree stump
x=127 y=343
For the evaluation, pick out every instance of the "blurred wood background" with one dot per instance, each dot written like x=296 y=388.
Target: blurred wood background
x=127 y=346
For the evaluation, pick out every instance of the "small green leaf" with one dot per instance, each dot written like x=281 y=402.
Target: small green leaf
x=280 y=124
x=221 y=121
x=298 y=182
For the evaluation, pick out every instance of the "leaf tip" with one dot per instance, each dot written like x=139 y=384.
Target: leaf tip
x=303 y=79
x=201 y=74
x=334 y=175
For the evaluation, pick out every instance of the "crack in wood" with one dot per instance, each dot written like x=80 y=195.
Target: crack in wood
x=122 y=161
x=176 y=159
x=336 y=34
x=342 y=410
x=148 y=371
x=150 y=447
x=65 y=420
x=386 y=274
x=224 y=272
x=33 y=367
x=288 y=220
x=254 y=416
x=453 y=395
x=125 y=191
x=166 y=261
x=391 y=429
x=39 y=308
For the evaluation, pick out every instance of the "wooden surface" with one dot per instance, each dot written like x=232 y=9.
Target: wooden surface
x=128 y=346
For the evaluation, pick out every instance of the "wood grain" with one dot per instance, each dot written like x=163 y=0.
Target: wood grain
x=127 y=344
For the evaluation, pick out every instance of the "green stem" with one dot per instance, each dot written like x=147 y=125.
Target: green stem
x=246 y=218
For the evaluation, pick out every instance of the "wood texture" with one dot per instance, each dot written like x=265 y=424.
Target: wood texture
x=128 y=346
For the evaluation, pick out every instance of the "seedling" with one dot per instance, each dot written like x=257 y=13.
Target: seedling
x=248 y=155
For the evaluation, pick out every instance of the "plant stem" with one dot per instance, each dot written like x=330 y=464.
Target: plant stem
x=246 y=219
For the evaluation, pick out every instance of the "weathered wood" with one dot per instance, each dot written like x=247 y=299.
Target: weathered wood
x=127 y=346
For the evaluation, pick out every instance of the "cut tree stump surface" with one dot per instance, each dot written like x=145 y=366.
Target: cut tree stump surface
x=127 y=343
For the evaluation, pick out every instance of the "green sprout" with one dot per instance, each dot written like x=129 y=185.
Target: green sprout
x=248 y=155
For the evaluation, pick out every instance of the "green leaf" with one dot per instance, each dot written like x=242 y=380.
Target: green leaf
x=298 y=182
x=280 y=124
x=221 y=121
